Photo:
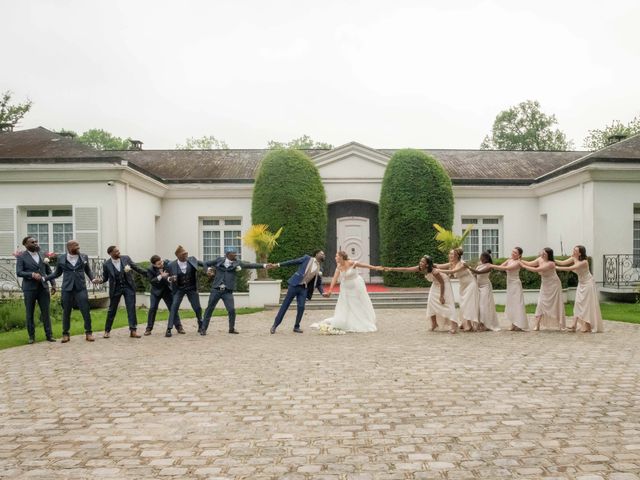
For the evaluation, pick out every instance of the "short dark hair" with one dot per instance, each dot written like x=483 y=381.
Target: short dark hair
x=583 y=252
x=549 y=253
x=154 y=258
x=24 y=240
x=110 y=249
x=519 y=250
x=316 y=251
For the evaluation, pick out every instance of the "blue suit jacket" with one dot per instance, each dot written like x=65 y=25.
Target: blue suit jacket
x=173 y=268
x=298 y=276
x=73 y=275
x=227 y=275
x=25 y=266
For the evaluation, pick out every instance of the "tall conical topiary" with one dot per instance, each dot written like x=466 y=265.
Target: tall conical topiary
x=289 y=193
x=416 y=193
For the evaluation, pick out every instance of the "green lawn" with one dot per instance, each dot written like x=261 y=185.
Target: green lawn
x=15 y=338
x=620 y=312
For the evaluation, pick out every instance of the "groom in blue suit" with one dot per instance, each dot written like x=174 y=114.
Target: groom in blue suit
x=307 y=278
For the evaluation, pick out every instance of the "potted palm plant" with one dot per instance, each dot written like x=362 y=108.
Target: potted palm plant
x=262 y=291
x=447 y=240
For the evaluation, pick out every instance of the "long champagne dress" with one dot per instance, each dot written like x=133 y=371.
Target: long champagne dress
x=586 y=306
x=486 y=303
x=445 y=312
x=514 y=309
x=550 y=305
x=468 y=296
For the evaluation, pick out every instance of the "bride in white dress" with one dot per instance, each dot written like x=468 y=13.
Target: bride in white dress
x=354 y=311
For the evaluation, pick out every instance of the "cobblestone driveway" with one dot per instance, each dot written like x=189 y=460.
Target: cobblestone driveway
x=401 y=403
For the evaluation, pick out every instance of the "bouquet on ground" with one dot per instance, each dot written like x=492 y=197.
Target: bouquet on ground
x=326 y=329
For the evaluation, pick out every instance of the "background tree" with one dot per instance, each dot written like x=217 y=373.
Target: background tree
x=525 y=127
x=65 y=132
x=416 y=193
x=305 y=142
x=12 y=113
x=206 y=142
x=103 y=140
x=288 y=194
x=597 y=139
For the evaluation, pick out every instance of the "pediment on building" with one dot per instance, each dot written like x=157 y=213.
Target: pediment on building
x=352 y=160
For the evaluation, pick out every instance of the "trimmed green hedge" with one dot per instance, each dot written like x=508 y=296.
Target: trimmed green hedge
x=289 y=193
x=416 y=193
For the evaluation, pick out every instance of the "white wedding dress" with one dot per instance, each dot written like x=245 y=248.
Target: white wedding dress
x=354 y=311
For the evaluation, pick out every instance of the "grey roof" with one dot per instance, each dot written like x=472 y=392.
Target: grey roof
x=42 y=143
x=498 y=165
x=200 y=165
x=471 y=167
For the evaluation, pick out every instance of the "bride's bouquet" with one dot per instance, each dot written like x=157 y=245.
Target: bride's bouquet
x=326 y=329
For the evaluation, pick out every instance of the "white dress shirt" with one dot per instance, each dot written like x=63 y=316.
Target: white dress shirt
x=183 y=266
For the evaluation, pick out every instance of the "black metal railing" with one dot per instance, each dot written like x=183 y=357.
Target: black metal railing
x=11 y=284
x=620 y=270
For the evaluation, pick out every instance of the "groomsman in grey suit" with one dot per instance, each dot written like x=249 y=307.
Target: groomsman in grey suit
x=32 y=268
x=74 y=266
x=183 y=273
x=160 y=290
x=224 y=283
x=117 y=271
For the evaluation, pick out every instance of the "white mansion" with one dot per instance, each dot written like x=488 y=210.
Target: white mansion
x=149 y=201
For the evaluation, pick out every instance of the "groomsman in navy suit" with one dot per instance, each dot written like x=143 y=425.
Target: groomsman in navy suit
x=117 y=271
x=183 y=272
x=223 y=285
x=32 y=268
x=75 y=266
x=158 y=276
x=307 y=278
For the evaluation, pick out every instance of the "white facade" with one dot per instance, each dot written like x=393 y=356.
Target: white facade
x=592 y=205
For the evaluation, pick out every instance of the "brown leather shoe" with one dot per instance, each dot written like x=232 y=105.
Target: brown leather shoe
x=65 y=338
x=147 y=332
x=89 y=338
x=107 y=335
x=134 y=334
x=180 y=330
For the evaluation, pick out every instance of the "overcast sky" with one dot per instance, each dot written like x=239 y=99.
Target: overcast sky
x=388 y=74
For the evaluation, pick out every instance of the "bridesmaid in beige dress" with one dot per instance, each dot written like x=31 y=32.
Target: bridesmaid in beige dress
x=487 y=315
x=586 y=308
x=469 y=294
x=514 y=308
x=441 y=308
x=550 y=308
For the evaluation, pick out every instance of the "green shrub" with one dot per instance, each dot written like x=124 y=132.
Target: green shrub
x=288 y=193
x=416 y=193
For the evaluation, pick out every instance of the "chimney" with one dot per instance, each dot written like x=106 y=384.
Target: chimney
x=6 y=127
x=135 y=144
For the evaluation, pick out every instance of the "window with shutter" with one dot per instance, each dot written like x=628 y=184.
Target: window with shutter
x=8 y=239
x=86 y=221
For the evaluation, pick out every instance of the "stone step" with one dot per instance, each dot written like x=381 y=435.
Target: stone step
x=331 y=304
x=380 y=300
